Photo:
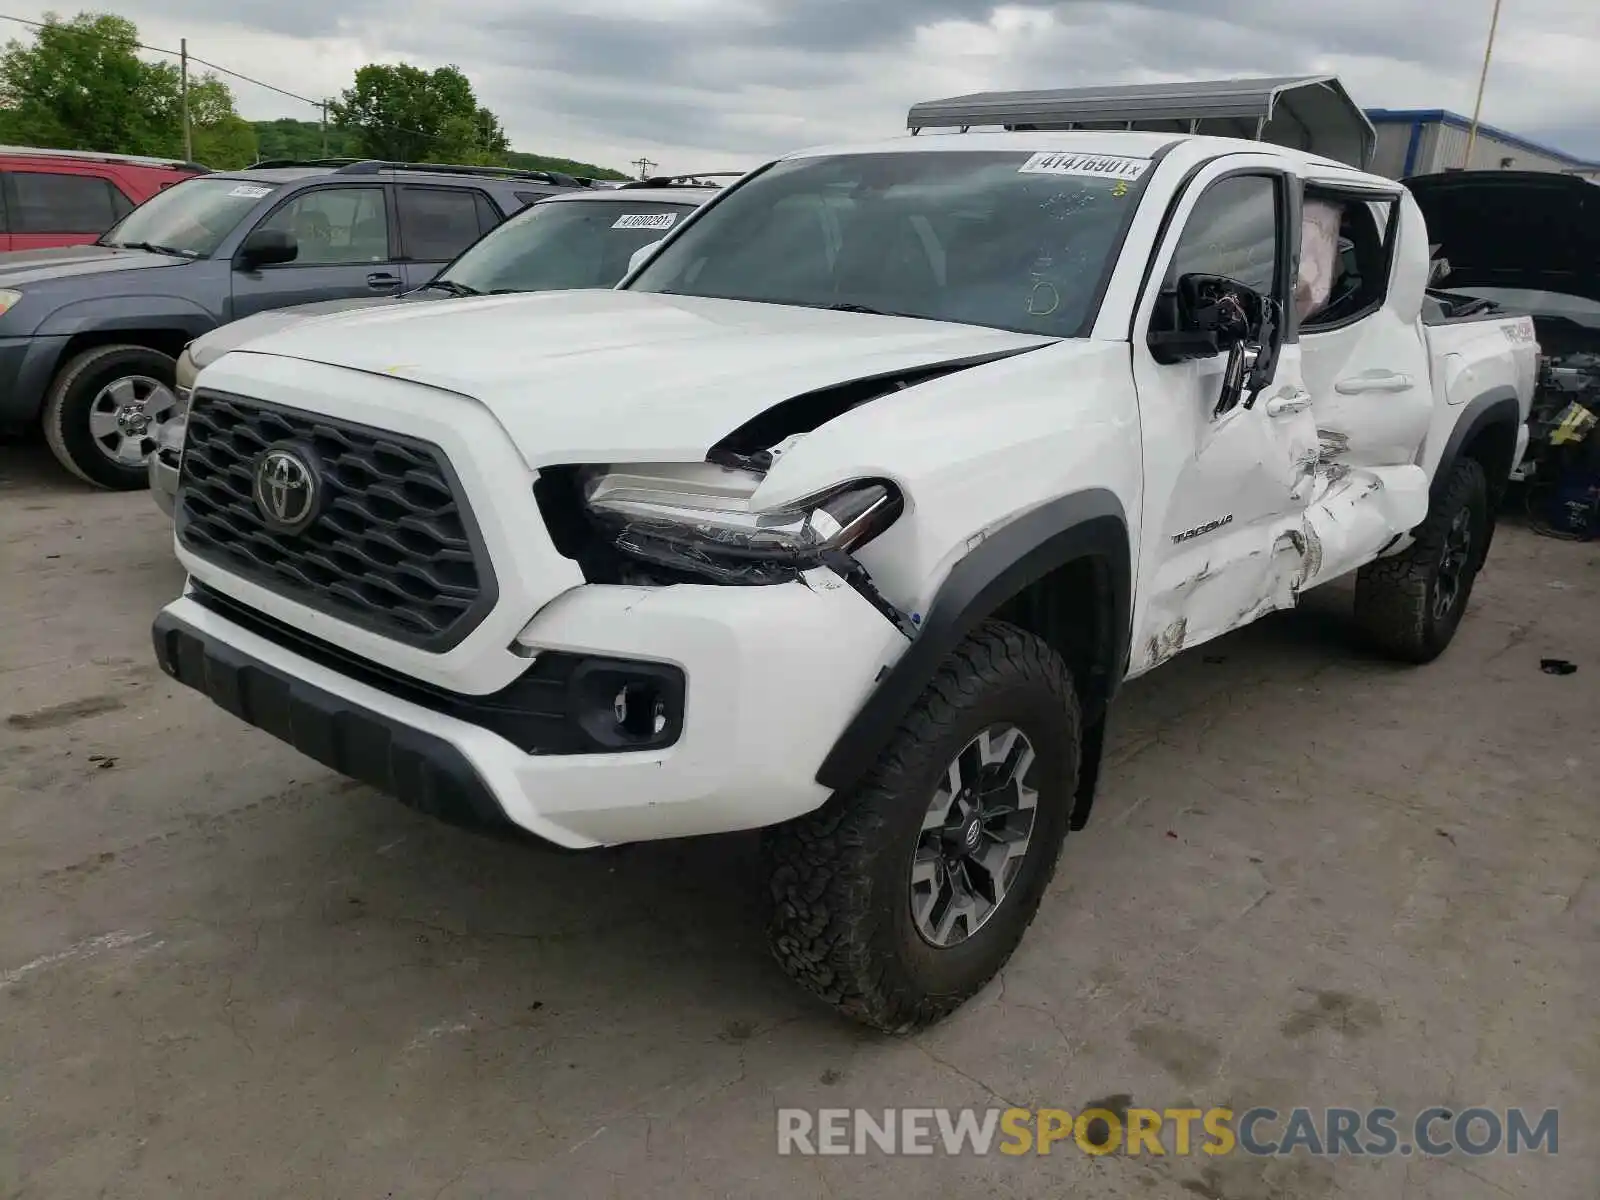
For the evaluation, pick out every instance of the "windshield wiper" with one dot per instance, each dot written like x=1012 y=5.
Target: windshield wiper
x=452 y=287
x=174 y=251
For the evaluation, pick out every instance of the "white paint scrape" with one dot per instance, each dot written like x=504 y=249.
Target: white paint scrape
x=88 y=948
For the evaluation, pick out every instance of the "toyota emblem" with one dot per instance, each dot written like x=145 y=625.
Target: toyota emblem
x=286 y=489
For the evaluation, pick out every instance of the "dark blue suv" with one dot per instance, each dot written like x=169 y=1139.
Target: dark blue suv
x=89 y=334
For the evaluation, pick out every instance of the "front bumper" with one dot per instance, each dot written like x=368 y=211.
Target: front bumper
x=773 y=675
x=26 y=366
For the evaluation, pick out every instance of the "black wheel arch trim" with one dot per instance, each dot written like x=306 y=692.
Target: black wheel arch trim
x=1497 y=406
x=1087 y=524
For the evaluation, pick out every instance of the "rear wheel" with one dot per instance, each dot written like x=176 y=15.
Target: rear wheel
x=897 y=901
x=1410 y=605
x=105 y=410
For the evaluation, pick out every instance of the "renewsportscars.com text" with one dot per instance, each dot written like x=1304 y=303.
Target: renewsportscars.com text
x=1331 y=1132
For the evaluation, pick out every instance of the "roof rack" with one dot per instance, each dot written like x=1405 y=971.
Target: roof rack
x=372 y=166
x=692 y=180
x=142 y=160
x=1305 y=112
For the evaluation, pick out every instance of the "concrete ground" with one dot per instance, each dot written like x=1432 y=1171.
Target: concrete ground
x=1313 y=879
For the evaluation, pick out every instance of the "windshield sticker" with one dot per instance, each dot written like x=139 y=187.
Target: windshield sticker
x=646 y=221
x=250 y=191
x=1094 y=166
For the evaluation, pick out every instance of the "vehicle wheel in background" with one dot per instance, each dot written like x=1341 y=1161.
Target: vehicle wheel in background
x=897 y=901
x=104 y=411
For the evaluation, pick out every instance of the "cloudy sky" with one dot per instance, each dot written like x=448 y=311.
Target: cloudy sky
x=707 y=84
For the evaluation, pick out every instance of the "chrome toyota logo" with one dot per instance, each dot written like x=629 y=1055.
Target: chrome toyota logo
x=286 y=489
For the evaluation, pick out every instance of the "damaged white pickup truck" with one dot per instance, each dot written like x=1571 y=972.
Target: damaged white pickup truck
x=846 y=514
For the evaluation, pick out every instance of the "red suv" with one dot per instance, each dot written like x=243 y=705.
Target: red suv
x=71 y=197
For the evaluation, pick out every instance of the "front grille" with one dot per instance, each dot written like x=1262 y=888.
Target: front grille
x=393 y=550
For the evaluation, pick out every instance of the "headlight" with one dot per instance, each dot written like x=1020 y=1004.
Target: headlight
x=698 y=520
x=8 y=301
x=183 y=380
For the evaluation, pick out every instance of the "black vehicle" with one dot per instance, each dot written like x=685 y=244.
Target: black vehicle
x=1525 y=241
x=89 y=335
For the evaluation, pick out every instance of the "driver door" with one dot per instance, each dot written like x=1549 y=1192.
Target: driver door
x=1226 y=484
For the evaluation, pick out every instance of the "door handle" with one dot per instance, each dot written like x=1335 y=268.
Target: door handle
x=1282 y=406
x=381 y=280
x=1374 y=381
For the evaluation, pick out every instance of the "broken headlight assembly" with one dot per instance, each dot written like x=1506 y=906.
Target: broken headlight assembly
x=697 y=519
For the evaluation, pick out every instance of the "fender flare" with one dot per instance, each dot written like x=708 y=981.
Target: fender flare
x=1088 y=524
x=109 y=314
x=1497 y=406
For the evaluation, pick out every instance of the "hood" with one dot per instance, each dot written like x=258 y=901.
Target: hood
x=21 y=267
x=609 y=376
x=1514 y=229
x=212 y=346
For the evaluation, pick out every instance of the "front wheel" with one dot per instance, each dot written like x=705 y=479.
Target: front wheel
x=897 y=901
x=1410 y=606
x=104 y=413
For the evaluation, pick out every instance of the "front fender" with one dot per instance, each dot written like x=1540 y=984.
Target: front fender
x=1087 y=524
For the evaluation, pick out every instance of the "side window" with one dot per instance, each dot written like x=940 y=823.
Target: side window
x=1232 y=231
x=120 y=204
x=436 y=224
x=335 y=226
x=43 y=203
x=1344 y=260
x=488 y=215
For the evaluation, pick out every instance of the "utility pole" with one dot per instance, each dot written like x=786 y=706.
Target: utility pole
x=1483 y=78
x=183 y=93
x=324 y=129
x=645 y=167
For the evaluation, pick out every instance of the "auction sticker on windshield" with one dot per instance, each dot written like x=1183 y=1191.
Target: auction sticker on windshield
x=250 y=191
x=1096 y=166
x=645 y=221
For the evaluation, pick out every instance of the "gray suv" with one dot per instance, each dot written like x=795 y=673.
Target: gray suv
x=90 y=335
x=576 y=239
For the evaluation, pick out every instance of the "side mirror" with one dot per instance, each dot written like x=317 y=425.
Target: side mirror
x=267 y=247
x=642 y=255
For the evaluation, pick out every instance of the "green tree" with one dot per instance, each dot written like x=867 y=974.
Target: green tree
x=222 y=138
x=406 y=114
x=82 y=86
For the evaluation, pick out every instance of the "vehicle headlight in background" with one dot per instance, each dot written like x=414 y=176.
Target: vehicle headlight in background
x=8 y=300
x=705 y=526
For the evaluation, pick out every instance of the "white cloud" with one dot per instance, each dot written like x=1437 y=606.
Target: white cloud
x=702 y=84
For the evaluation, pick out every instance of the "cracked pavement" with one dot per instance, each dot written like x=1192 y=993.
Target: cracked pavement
x=1312 y=878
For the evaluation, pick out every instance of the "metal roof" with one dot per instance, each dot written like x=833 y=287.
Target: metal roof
x=1305 y=112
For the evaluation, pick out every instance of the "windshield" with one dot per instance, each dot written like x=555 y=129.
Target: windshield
x=1006 y=239
x=1578 y=309
x=562 y=244
x=190 y=218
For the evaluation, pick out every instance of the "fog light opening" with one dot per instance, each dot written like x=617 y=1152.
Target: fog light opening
x=640 y=710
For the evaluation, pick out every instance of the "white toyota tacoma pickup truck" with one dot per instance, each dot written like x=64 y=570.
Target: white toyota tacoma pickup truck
x=845 y=515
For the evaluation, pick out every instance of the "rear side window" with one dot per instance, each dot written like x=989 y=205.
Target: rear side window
x=488 y=215
x=436 y=224
x=46 y=203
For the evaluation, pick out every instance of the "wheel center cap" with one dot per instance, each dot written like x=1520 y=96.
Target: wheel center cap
x=972 y=835
x=134 y=420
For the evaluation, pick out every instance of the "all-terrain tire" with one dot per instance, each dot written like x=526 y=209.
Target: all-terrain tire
x=841 y=922
x=69 y=400
x=1399 y=599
